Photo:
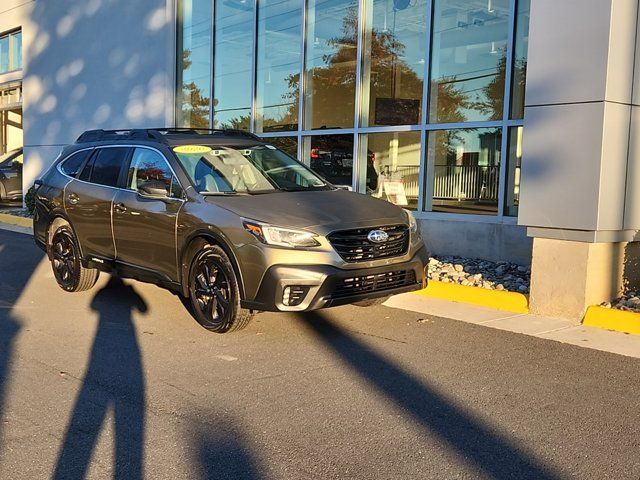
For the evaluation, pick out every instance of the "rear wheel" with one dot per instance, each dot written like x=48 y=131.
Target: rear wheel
x=214 y=293
x=65 y=261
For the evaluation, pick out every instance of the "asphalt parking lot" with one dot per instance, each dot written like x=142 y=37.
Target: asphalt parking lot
x=121 y=381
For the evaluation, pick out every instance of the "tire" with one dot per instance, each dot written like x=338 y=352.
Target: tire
x=214 y=294
x=371 y=302
x=64 y=254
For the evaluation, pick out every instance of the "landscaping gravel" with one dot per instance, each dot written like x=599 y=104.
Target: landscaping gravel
x=18 y=212
x=629 y=302
x=480 y=273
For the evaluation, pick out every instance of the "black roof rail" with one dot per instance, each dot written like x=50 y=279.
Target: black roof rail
x=125 y=134
x=156 y=134
x=206 y=131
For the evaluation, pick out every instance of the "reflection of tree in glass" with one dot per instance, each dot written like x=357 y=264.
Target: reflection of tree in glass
x=237 y=123
x=491 y=101
x=194 y=107
x=150 y=171
x=519 y=81
x=449 y=100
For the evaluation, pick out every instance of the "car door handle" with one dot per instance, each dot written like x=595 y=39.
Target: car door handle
x=73 y=198
x=120 y=208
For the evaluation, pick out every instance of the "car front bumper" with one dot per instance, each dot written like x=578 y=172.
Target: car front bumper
x=328 y=286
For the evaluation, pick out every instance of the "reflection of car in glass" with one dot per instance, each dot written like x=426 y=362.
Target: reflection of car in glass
x=332 y=157
x=11 y=177
x=227 y=221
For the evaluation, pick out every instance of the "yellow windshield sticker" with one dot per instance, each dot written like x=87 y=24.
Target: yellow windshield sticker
x=192 y=149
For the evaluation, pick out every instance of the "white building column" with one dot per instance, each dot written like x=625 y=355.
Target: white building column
x=580 y=193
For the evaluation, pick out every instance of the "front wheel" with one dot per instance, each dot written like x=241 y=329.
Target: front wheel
x=214 y=293
x=65 y=261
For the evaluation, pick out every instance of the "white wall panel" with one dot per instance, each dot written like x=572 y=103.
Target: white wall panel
x=96 y=64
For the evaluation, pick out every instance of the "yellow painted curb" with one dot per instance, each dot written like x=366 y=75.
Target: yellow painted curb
x=14 y=220
x=612 y=319
x=497 y=299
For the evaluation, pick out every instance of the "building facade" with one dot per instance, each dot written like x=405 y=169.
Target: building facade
x=505 y=125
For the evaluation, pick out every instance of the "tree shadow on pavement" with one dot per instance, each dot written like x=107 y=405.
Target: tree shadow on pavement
x=483 y=448
x=114 y=380
x=222 y=455
x=15 y=271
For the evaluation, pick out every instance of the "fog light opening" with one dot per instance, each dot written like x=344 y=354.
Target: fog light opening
x=294 y=295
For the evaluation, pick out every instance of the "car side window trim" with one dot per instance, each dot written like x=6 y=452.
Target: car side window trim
x=73 y=154
x=63 y=160
x=126 y=163
x=124 y=170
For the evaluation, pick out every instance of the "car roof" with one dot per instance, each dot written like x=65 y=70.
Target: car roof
x=169 y=136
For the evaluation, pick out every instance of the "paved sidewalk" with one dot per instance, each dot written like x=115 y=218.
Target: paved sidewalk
x=542 y=327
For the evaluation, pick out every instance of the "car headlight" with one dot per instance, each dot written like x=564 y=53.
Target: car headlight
x=413 y=225
x=282 y=237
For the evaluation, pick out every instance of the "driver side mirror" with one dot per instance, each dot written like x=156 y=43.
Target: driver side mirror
x=153 y=188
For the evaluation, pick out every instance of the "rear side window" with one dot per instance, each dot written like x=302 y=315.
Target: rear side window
x=71 y=166
x=104 y=167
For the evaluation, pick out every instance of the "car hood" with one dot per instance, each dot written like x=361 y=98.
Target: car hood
x=320 y=211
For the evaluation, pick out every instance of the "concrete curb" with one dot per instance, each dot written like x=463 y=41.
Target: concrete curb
x=612 y=319
x=14 y=220
x=496 y=299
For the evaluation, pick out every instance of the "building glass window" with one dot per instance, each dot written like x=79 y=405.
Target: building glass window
x=466 y=169
x=289 y=145
x=16 y=50
x=512 y=199
x=521 y=48
x=330 y=64
x=233 y=63
x=4 y=54
x=394 y=46
x=393 y=167
x=345 y=89
x=468 y=60
x=279 y=57
x=332 y=157
x=194 y=64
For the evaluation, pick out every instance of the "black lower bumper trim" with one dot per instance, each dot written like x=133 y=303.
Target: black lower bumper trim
x=341 y=287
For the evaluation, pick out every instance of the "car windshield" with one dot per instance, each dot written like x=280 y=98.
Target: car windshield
x=256 y=169
x=7 y=158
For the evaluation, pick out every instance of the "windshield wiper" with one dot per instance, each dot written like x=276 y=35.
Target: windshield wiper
x=305 y=189
x=219 y=194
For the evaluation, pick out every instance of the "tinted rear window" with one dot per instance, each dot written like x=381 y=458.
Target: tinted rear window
x=104 y=167
x=71 y=166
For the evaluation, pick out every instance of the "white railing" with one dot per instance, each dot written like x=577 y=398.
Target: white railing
x=451 y=182
x=466 y=182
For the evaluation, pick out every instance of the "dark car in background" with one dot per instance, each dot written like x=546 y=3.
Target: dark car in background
x=224 y=219
x=332 y=157
x=11 y=178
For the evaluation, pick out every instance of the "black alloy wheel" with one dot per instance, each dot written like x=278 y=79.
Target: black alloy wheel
x=211 y=290
x=214 y=292
x=64 y=258
x=66 y=263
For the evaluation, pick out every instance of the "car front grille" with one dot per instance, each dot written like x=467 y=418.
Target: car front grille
x=378 y=282
x=354 y=246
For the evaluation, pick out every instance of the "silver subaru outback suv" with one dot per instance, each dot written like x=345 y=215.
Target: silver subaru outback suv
x=223 y=218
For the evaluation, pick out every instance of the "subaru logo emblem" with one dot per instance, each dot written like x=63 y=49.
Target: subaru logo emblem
x=378 y=236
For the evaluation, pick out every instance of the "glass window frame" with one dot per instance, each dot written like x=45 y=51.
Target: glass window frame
x=303 y=133
x=12 y=62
